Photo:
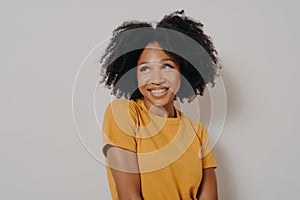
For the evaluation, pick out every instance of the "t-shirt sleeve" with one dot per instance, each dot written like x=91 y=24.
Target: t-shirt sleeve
x=208 y=159
x=118 y=128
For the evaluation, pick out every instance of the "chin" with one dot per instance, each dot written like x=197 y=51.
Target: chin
x=161 y=102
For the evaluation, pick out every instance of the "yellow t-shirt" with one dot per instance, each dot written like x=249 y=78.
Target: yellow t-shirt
x=171 y=152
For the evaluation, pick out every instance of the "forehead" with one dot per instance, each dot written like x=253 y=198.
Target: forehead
x=153 y=52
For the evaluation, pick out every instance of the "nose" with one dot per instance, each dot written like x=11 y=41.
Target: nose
x=157 y=77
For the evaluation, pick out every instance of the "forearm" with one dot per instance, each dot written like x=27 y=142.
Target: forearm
x=208 y=188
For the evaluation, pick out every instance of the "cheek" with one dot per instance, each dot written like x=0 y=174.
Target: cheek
x=176 y=80
x=141 y=79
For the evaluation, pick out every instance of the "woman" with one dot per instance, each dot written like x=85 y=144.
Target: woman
x=153 y=150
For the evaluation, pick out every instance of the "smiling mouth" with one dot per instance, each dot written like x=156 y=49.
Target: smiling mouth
x=158 y=92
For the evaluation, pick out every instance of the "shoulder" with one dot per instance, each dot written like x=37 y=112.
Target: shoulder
x=194 y=123
x=122 y=109
x=197 y=126
x=120 y=105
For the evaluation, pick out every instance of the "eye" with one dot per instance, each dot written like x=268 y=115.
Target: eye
x=167 y=66
x=144 y=68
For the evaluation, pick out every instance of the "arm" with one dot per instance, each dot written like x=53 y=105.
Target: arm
x=124 y=168
x=208 y=187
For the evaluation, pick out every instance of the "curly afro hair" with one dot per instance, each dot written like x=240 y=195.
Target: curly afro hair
x=180 y=37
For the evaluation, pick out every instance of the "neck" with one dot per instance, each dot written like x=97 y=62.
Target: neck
x=163 y=111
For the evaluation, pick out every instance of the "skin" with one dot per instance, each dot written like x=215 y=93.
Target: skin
x=208 y=187
x=158 y=78
x=124 y=168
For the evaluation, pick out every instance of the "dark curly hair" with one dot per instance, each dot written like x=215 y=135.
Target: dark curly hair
x=180 y=37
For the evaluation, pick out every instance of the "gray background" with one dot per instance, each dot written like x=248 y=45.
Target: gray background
x=44 y=43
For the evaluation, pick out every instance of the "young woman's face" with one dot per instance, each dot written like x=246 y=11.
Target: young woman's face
x=158 y=76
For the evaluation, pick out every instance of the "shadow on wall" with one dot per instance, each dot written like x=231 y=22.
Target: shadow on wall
x=225 y=172
x=225 y=175
x=233 y=98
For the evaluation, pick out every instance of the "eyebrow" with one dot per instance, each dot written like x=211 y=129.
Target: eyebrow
x=165 y=59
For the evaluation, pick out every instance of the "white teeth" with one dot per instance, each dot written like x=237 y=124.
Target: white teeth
x=158 y=91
